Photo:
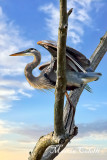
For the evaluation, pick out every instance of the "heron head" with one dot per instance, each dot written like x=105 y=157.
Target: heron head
x=27 y=52
x=51 y=46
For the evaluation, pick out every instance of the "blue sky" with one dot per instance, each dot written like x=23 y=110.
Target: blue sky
x=26 y=113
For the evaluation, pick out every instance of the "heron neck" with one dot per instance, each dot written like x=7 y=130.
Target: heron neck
x=29 y=68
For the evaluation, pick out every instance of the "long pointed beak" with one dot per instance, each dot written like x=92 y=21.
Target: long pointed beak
x=51 y=46
x=46 y=44
x=18 y=54
x=43 y=44
x=39 y=42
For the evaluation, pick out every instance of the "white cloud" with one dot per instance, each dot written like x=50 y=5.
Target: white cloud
x=94 y=105
x=4 y=107
x=11 y=41
x=6 y=96
x=77 y=21
x=21 y=134
x=24 y=93
x=91 y=106
x=87 y=131
x=3 y=129
x=6 y=92
x=96 y=130
x=16 y=84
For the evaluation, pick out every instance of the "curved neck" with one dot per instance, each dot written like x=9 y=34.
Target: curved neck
x=29 y=68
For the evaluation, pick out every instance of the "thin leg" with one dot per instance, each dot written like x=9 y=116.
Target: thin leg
x=67 y=96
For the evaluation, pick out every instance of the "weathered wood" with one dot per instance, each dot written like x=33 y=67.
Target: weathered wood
x=70 y=11
x=99 y=52
x=41 y=146
x=95 y=59
x=61 y=71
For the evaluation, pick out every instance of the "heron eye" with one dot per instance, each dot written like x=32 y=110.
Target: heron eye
x=29 y=50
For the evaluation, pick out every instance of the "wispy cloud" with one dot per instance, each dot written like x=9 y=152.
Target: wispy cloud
x=80 y=18
x=16 y=136
x=3 y=129
x=11 y=41
x=4 y=106
x=33 y=131
x=91 y=134
x=14 y=83
x=88 y=129
x=6 y=96
x=96 y=130
x=24 y=93
x=94 y=106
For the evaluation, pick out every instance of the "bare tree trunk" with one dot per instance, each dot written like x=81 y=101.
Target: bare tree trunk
x=52 y=151
x=61 y=72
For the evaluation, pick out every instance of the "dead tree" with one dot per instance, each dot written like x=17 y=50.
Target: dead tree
x=49 y=146
x=52 y=151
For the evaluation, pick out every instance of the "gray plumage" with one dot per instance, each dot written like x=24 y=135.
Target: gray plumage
x=78 y=68
x=75 y=69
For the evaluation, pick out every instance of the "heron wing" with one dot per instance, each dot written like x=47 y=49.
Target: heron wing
x=44 y=65
x=76 y=64
x=78 y=57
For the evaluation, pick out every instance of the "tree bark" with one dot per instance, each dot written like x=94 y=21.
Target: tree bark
x=61 y=71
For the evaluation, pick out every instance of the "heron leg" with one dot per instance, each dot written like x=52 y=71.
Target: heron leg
x=72 y=110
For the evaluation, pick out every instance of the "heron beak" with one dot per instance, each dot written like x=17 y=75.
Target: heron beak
x=44 y=43
x=19 y=54
x=50 y=46
x=39 y=42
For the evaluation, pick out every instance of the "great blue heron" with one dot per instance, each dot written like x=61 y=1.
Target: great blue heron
x=75 y=60
x=75 y=71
